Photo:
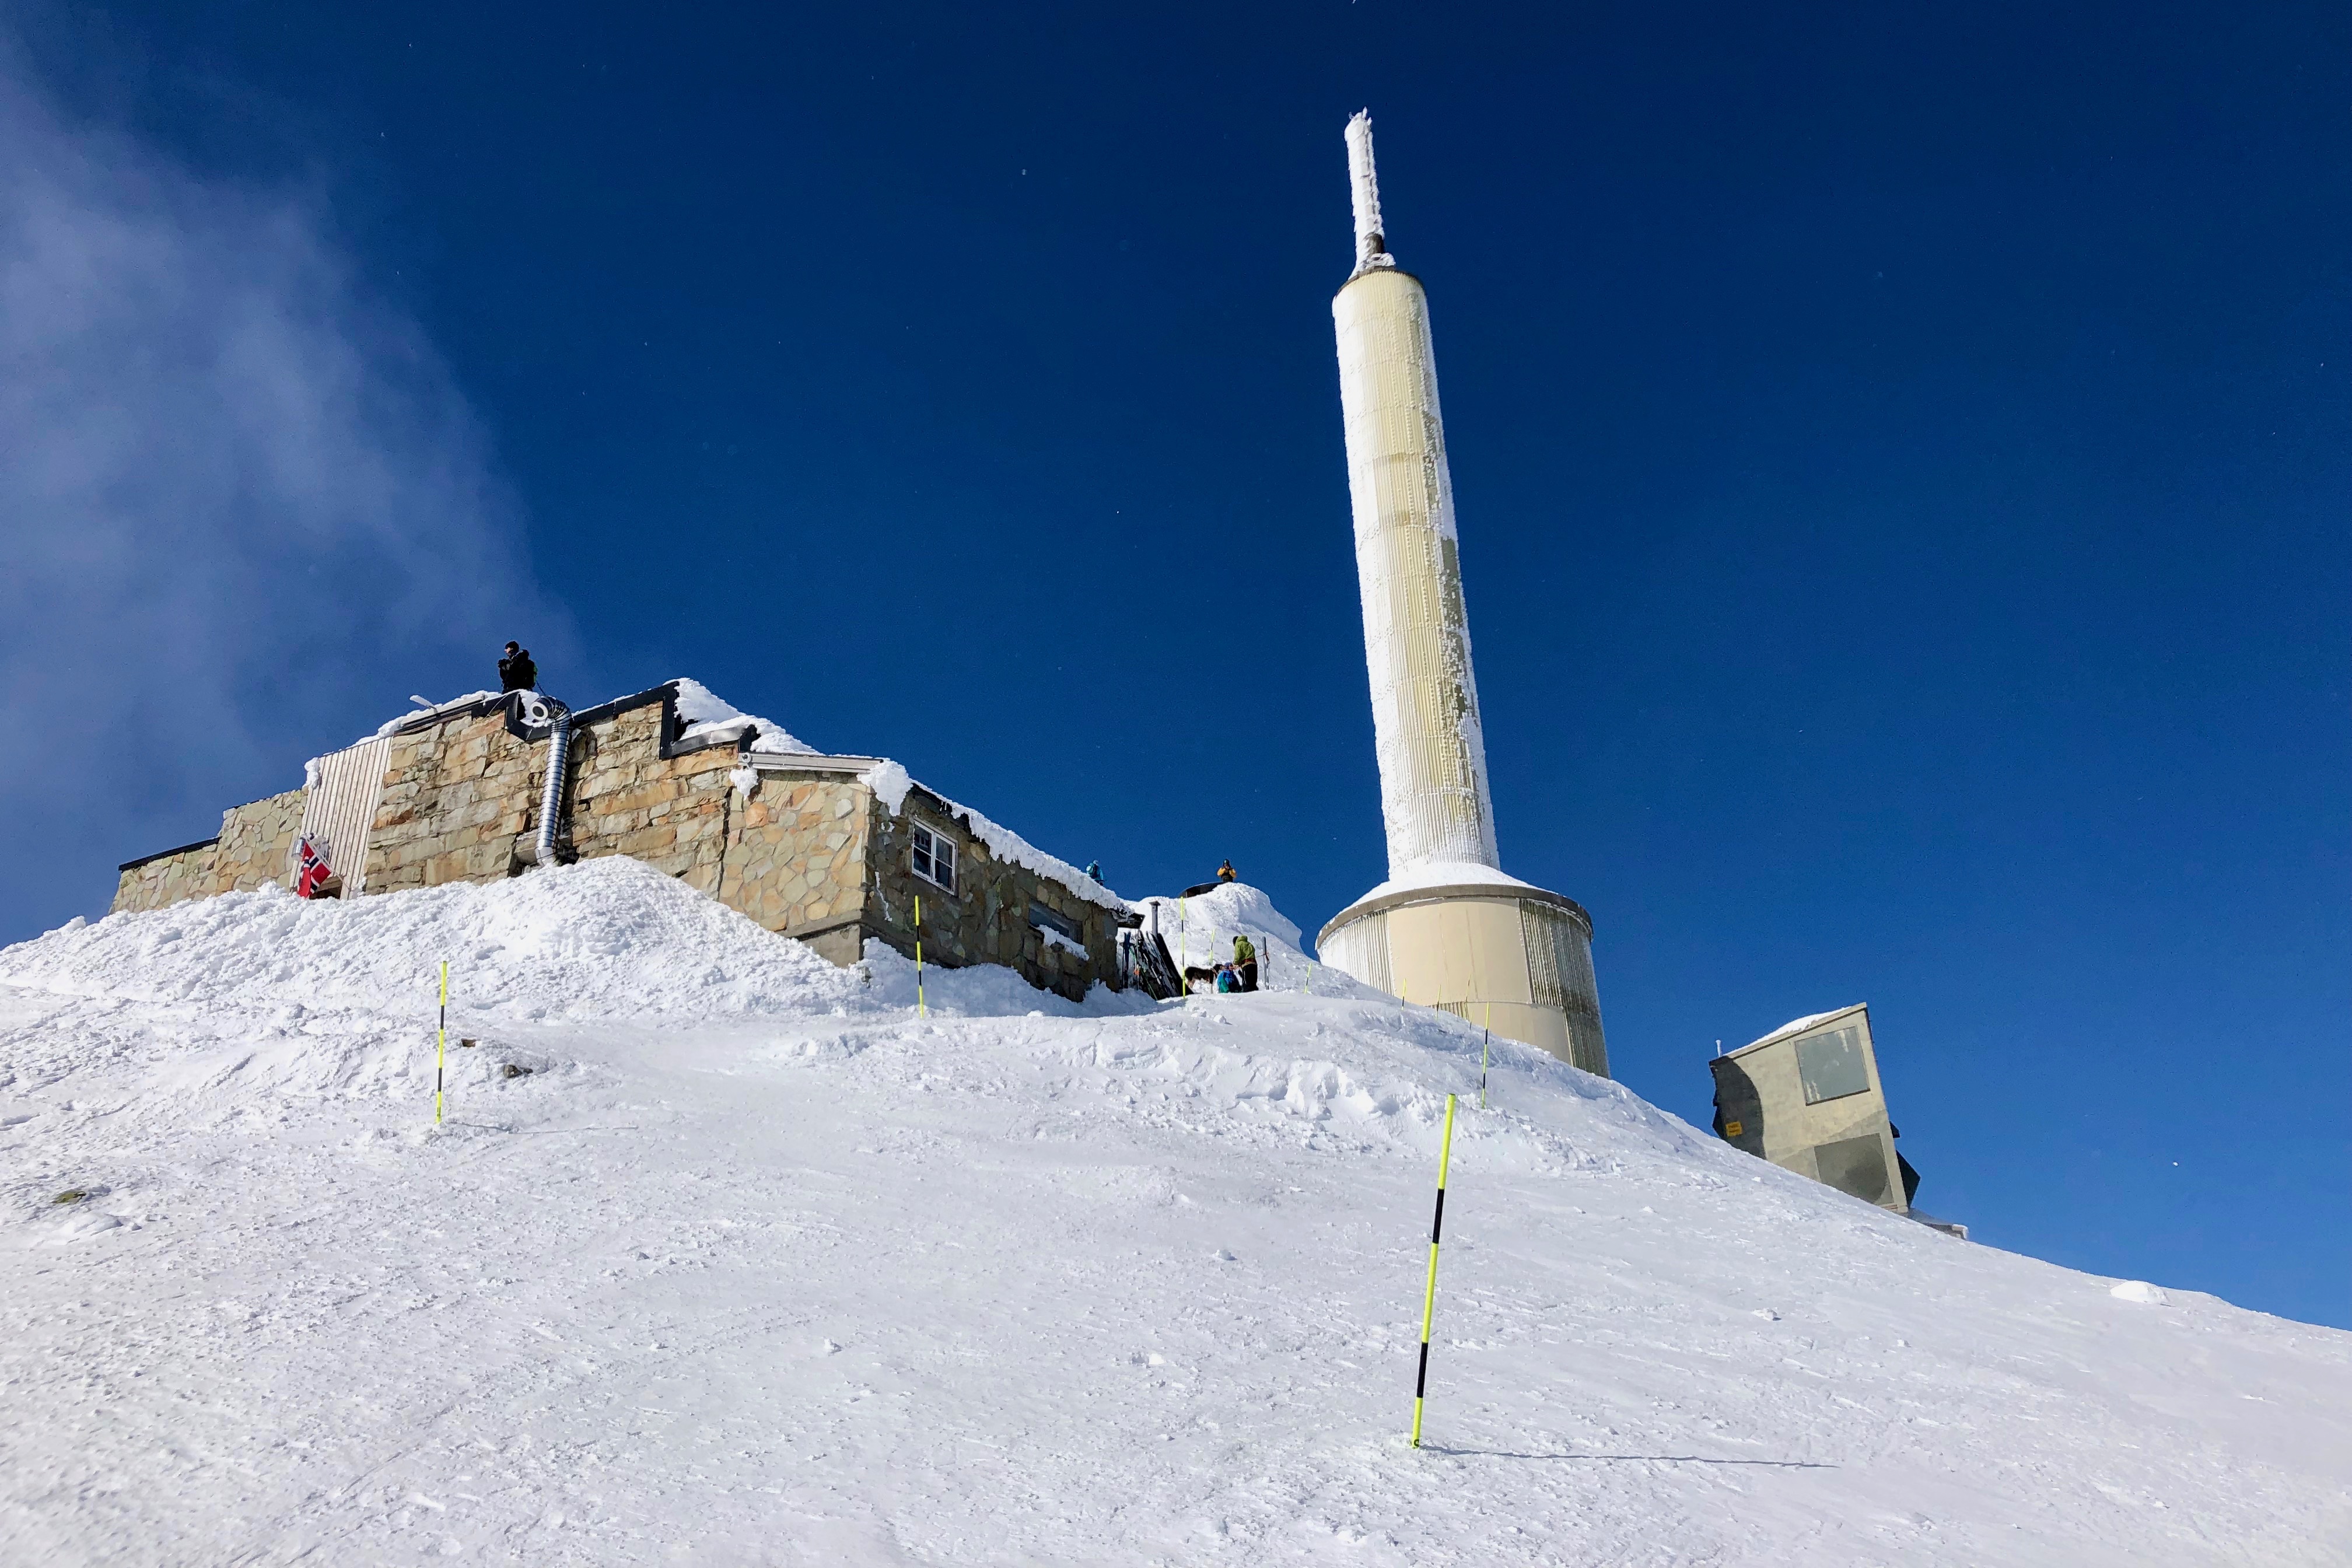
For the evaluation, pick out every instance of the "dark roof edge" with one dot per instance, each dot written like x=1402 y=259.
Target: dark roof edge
x=666 y=693
x=432 y=716
x=167 y=854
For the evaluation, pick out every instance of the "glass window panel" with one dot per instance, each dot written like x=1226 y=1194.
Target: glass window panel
x=1830 y=1066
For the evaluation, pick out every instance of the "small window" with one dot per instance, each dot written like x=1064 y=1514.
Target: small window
x=1054 y=921
x=1830 y=1066
x=935 y=860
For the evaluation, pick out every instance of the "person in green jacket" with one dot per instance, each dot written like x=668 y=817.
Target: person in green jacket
x=1245 y=962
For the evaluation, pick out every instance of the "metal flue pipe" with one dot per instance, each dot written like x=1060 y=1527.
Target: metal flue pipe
x=550 y=801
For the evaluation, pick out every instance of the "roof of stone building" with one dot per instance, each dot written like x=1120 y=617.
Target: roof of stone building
x=711 y=718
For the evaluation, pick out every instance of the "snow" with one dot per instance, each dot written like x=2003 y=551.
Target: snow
x=890 y=782
x=1056 y=939
x=755 y=1266
x=2140 y=1290
x=423 y=710
x=1201 y=930
x=1444 y=874
x=1795 y=1026
x=709 y=716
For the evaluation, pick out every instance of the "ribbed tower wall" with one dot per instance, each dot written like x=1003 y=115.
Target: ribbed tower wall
x=1434 y=799
x=1447 y=929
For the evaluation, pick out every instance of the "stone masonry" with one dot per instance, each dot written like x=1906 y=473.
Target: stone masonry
x=254 y=844
x=807 y=849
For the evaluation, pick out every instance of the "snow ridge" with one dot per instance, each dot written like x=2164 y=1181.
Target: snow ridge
x=722 y=1254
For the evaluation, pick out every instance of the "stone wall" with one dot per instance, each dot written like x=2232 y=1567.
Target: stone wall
x=626 y=798
x=809 y=852
x=986 y=919
x=460 y=800
x=256 y=842
x=163 y=879
x=796 y=859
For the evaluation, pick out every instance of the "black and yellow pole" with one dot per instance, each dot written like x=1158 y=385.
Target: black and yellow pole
x=1429 y=1299
x=1486 y=1040
x=441 y=1049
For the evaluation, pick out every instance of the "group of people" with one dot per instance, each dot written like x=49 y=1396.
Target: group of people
x=1241 y=974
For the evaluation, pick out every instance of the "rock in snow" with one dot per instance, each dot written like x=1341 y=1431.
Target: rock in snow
x=756 y=1267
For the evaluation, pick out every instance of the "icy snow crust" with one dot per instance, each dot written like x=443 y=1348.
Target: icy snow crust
x=708 y=715
x=1793 y=1026
x=1444 y=874
x=754 y=1266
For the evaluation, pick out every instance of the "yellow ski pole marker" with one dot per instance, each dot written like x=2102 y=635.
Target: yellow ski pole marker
x=1429 y=1299
x=921 y=1011
x=441 y=1051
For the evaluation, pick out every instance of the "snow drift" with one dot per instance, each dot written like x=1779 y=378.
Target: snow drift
x=722 y=1255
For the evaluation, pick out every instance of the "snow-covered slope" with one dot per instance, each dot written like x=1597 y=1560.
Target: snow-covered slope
x=754 y=1267
x=1201 y=930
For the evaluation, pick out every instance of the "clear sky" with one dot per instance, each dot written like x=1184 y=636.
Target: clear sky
x=1900 y=454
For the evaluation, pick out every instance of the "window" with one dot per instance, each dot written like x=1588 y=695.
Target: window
x=1830 y=1066
x=1054 y=921
x=934 y=858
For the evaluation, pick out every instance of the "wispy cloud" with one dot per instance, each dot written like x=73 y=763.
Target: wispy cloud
x=241 y=499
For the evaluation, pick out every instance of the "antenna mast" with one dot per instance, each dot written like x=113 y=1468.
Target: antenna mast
x=1364 y=184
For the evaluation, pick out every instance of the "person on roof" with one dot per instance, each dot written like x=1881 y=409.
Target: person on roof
x=1244 y=964
x=1226 y=872
x=516 y=671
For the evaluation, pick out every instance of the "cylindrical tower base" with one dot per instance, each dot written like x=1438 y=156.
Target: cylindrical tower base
x=1511 y=952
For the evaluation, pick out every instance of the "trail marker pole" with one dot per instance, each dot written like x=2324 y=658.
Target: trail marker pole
x=1485 y=1040
x=921 y=1009
x=441 y=1051
x=1184 y=950
x=1429 y=1299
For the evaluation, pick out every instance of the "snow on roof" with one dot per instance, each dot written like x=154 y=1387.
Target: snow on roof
x=890 y=782
x=1799 y=1025
x=1445 y=874
x=709 y=716
x=422 y=710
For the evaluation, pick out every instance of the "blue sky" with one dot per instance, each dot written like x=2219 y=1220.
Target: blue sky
x=1900 y=452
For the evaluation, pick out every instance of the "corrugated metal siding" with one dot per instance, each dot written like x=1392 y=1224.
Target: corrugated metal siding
x=339 y=811
x=1560 y=973
x=1360 y=949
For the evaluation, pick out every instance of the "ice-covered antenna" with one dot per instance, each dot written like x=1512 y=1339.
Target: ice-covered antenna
x=1364 y=184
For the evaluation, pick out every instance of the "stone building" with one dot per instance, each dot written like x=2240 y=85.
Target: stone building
x=831 y=850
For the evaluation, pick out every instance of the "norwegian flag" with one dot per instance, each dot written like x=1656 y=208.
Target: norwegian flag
x=311 y=870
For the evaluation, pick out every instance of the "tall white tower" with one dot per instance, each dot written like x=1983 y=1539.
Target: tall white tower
x=1448 y=927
